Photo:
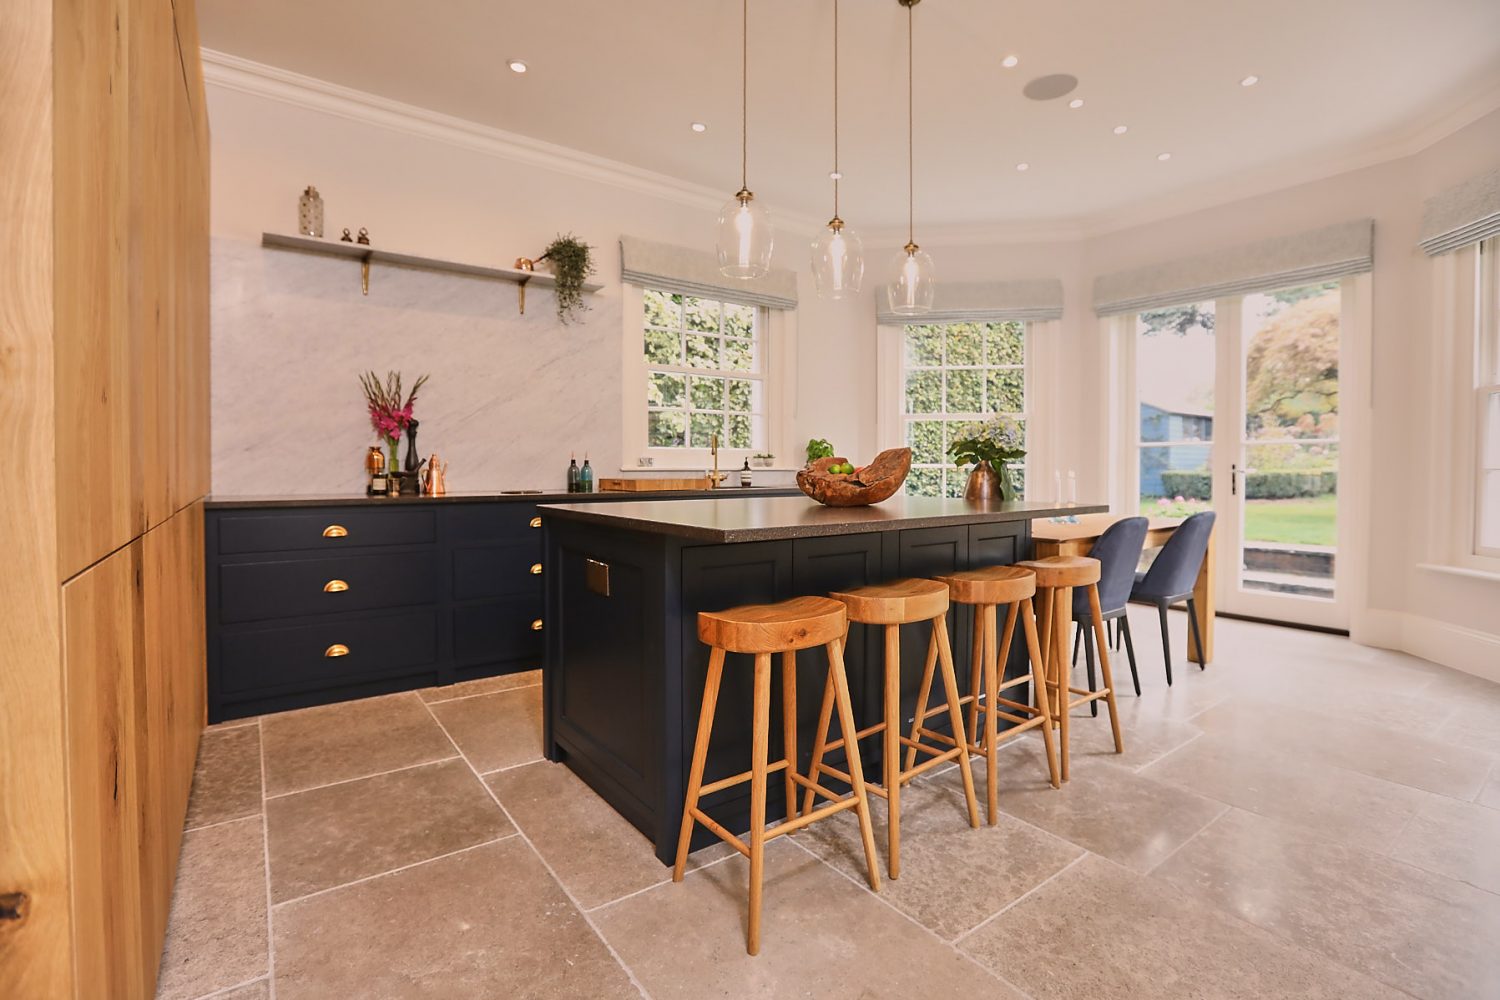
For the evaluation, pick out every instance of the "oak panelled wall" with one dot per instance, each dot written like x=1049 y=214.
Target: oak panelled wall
x=104 y=420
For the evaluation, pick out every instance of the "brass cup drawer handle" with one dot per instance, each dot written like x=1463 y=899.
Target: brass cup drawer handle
x=335 y=587
x=335 y=531
x=536 y=522
x=536 y=625
x=337 y=649
x=536 y=569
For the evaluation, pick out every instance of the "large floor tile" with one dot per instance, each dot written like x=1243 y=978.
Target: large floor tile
x=226 y=780
x=1422 y=933
x=821 y=936
x=489 y=922
x=1335 y=803
x=1124 y=815
x=317 y=746
x=216 y=935
x=1456 y=839
x=481 y=685
x=1489 y=795
x=952 y=876
x=1475 y=726
x=1105 y=933
x=594 y=851
x=258 y=990
x=338 y=833
x=1147 y=736
x=495 y=730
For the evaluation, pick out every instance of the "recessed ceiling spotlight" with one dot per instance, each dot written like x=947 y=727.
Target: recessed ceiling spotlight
x=1121 y=129
x=1023 y=167
x=1076 y=102
x=517 y=66
x=699 y=127
x=1164 y=157
x=1250 y=81
x=1010 y=62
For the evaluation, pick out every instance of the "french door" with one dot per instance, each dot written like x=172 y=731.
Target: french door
x=1242 y=406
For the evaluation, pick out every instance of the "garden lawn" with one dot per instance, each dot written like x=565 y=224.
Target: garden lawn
x=1303 y=521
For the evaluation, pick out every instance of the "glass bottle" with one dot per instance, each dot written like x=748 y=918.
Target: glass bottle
x=745 y=474
x=586 y=477
x=572 y=473
x=310 y=213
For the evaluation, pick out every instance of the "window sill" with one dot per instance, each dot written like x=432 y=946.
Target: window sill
x=646 y=470
x=1463 y=571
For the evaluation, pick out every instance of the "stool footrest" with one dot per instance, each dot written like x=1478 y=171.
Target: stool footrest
x=720 y=831
x=738 y=779
x=793 y=825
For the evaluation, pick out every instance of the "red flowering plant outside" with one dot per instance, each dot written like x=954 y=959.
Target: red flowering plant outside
x=390 y=414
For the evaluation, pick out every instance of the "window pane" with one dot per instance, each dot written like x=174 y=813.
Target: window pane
x=925 y=483
x=1172 y=471
x=1292 y=362
x=664 y=430
x=1006 y=390
x=702 y=351
x=701 y=314
x=739 y=431
x=739 y=355
x=663 y=347
x=741 y=395
x=924 y=392
x=704 y=426
x=664 y=389
x=965 y=391
x=925 y=438
x=739 y=321
x=954 y=481
x=1175 y=386
x=1005 y=344
x=708 y=393
x=924 y=345
x=965 y=344
x=1489 y=511
x=662 y=309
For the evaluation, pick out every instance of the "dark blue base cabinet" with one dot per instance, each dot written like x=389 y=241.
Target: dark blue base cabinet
x=316 y=602
x=625 y=672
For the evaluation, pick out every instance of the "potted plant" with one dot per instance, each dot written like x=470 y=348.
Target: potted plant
x=989 y=447
x=762 y=460
x=390 y=413
x=572 y=263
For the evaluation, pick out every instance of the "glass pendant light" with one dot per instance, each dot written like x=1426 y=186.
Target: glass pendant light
x=911 y=293
x=744 y=232
x=838 y=259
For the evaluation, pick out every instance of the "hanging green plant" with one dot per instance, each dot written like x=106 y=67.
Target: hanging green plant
x=572 y=263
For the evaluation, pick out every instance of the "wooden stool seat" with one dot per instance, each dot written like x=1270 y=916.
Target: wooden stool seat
x=900 y=602
x=765 y=630
x=800 y=623
x=1063 y=571
x=991 y=585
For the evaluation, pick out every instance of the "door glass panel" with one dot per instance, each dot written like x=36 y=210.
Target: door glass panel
x=1174 y=359
x=1288 y=468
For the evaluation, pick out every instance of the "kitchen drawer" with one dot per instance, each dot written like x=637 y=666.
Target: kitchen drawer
x=492 y=522
x=285 y=588
x=329 y=529
x=497 y=631
x=299 y=656
x=481 y=571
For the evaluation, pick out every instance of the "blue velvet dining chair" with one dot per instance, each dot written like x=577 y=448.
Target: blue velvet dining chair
x=1119 y=552
x=1171 y=579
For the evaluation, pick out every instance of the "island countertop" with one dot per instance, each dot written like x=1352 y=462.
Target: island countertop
x=760 y=519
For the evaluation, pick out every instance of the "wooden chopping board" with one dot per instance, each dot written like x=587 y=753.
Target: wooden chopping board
x=651 y=485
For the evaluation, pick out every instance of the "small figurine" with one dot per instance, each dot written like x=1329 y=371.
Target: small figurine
x=364 y=236
x=346 y=238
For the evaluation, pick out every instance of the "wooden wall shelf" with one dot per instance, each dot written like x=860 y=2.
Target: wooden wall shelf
x=368 y=254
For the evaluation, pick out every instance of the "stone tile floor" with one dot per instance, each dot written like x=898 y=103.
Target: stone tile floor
x=1307 y=818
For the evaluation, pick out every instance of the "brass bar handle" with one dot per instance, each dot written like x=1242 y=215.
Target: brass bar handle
x=337 y=649
x=335 y=587
x=536 y=625
x=335 y=531
x=536 y=522
x=536 y=569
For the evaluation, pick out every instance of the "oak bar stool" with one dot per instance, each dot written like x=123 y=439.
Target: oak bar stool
x=761 y=630
x=986 y=589
x=901 y=602
x=1056 y=576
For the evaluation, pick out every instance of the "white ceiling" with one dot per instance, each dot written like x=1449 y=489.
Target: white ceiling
x=624 y=78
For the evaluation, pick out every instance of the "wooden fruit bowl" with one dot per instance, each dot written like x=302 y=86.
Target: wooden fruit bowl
x=868 y=484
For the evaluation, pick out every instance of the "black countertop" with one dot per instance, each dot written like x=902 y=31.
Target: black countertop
x=348 y=500
x=770 y=518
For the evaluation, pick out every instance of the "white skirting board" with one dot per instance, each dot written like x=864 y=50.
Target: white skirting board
x=1466 y=649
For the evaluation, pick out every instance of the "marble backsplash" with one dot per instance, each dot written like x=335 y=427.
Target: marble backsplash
x=509 y=397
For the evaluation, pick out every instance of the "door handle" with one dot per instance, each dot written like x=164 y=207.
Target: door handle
x=1234 y=480
x=337 y=649
x=335 y=531
x=335 y=587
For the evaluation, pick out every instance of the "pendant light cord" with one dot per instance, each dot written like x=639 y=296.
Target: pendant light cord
x=911 y=185
x=835 y=109
x=745 y=95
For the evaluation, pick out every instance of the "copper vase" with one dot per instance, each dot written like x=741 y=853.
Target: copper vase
x=984 y=484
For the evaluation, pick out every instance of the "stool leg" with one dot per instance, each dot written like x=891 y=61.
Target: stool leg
x=925 y=693
x=955 y=713
x=976 y=671
x=820 y=739
x=1044 y=615
x=991 y=721
x=1039 y=688
x=700 y=755
x=760 y=746
x=1104 y=671
x=840 y=685
x=892 y=748
x=1062 y=601
x=789 y=727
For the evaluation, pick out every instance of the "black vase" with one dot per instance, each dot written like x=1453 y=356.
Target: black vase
x=413 y=463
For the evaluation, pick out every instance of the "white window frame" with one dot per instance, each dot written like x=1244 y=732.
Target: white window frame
x=776 y=335
x=1487 y=386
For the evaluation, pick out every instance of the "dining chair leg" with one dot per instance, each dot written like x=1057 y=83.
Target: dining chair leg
x=1039 y=688
x=1192 y=609
x=759 y=768
x=700 y=756
x=1124 y=630
x=1077 y=641
x=1087 y=639
x=1166 y=641
x=789 y=728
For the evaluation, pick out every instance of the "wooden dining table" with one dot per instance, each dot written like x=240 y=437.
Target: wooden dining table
x=1077 y=538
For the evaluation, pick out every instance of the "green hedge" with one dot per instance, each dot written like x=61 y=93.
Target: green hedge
x=1264 y=484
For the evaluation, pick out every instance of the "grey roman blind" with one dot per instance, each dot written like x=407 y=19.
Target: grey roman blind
x=693 y=272
x=983 y=302
x=1462 y=215
x=1301 y=259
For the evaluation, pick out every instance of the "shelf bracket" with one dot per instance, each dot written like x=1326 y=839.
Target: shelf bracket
x=364 y=276
x=521 y=294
